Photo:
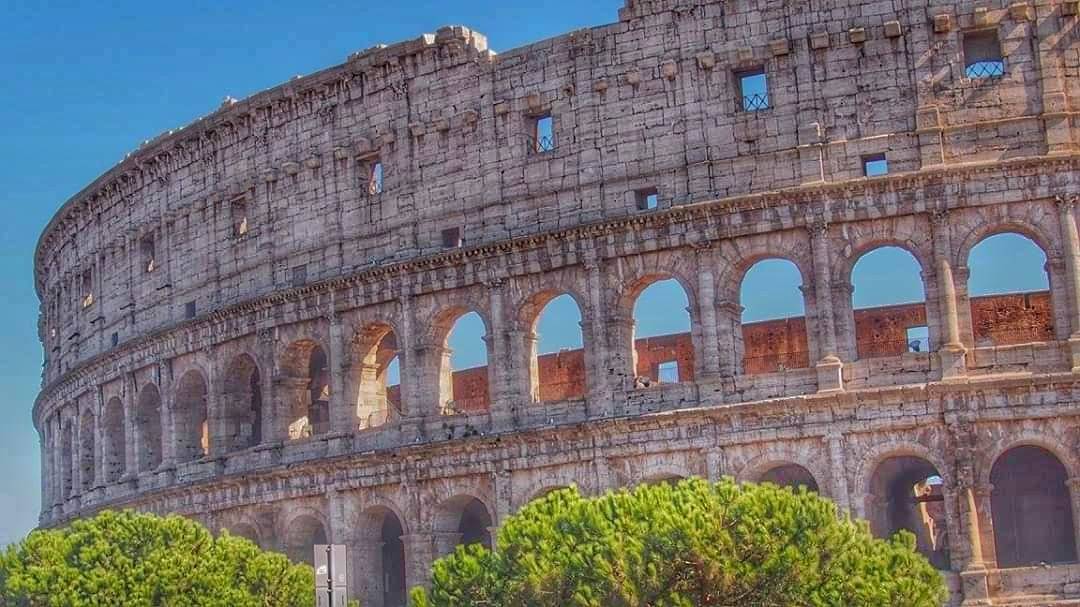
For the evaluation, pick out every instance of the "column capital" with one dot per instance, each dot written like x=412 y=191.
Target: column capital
x=818 y=229
x=1066 y=202
x=939 y=218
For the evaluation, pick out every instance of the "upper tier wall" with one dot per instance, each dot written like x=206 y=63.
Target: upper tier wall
x=650 y=101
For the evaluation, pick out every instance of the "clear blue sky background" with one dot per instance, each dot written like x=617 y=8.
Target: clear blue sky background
x=84 y=83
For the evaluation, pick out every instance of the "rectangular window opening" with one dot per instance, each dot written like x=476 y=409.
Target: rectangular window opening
x=115 y=339
x=148 y=253
x=647 y=199
x=299 y=275
x=88 y=288
x=667 y=372
x=982 y=55
x=543 y=134
x=875 y=165
x=451 y=238
x=918 y=339
x=189 y=310
x=375 y=178
x=240 y=217
x=753 y=90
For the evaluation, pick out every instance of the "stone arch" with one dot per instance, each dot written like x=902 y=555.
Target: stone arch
x=790 y=475
x=544 y=492
x=384 y=566
x=461 y=391
x=462 y=519
x=773 y=344
x=1031 y=507
x=784 y=470
x=985 y=228
x=87 y=449
x=374 y=349
x=305 y=529
x=305 y=386
x=114 y=440
x=149 y=425
x=907 y=491
x=190 y=417
x=658 y=358
x=560 y=376
x=893 y=328
x=241 y=408
x=246 y=530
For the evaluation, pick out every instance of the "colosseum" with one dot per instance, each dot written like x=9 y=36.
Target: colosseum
x=220 y=311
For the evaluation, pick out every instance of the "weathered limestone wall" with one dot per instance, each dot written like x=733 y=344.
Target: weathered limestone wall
x=220 y=311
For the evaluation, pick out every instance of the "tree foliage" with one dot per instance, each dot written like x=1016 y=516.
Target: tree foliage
x=140 y=560
x=696 y=544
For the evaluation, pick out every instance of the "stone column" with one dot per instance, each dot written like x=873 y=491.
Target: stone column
x=1070 y=245
x=846 y=332
x=76 y=453
x=729 y=336
x=523 y=370
x=419 y=555
x=270 y=431
x=714 y=464
x=46 y=441
x=342 y=409
x=445 y=542
x=133 y=440
x=829 y=368
x=503 y=393
x=709 y=365
x=365 y=554
x=1074 y=501
x=838 y=468
x=168 y=417
x=952 y=352
x=595 y=340
x=288 y=391
x=973 y=577
x=58 y=464
x=99 y=438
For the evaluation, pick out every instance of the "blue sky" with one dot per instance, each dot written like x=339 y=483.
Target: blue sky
x=84 y=83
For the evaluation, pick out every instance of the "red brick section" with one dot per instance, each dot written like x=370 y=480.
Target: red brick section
x=775 y=345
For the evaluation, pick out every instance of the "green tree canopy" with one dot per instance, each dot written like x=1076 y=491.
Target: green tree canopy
x=140 y=560
x=696 y=544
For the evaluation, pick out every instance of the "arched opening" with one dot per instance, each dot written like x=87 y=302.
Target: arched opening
x=148 y=424
x=304 y=533
x=87 y=445
x=463 y=377
x=889 y=303
x=663 y=345
x=908 y=493
x=773 y=336
x=240 y=424
x=384 y=524
x=462 y=520
x=246 y=531
x=376 y=374
x=306 y=388
x=1009 y=291
x=67 y=459
x=556 y=357
x=790 y=475
x=663 y=478
x=1031 y=508
x=192 y=435
x=115 y=443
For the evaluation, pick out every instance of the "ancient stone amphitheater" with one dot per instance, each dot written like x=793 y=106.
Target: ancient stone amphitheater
x=220 y=310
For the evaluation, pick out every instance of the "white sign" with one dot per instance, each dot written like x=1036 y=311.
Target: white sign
x=331 y=576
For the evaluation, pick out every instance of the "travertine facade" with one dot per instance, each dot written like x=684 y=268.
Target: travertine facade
x=219 y=310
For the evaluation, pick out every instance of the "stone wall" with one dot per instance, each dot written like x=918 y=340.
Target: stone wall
x=220 y=310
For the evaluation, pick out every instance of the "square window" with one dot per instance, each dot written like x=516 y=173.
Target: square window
x=982 y=55
x=451 y=238
x=875 y=165
x=647 y=199
x=299 y=275
x=753 y=90
x=375 y=179
x=918 y=339
x=544 y=134
x=668 y=372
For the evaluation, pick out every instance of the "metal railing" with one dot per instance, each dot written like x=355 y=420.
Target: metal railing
x=754 y=103
x=540 y=145
x=776 y=362
x=985 y=69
